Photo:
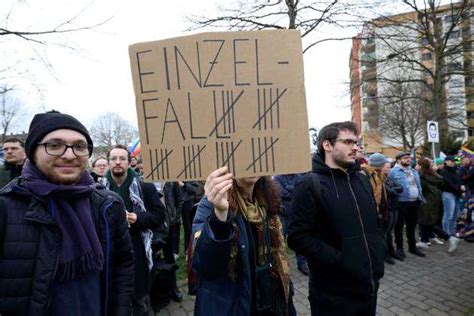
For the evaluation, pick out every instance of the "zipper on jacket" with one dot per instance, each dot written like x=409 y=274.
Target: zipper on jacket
x=55 y=270
x=365 y=238
x=48 y=305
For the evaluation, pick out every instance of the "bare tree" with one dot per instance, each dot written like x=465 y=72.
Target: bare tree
x=307 y=16
x=12 y=110
x=25 y=44
x=110 y=129
x=432 y=46
x=402 y=116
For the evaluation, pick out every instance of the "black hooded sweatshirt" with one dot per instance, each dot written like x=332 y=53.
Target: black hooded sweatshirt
x=338 y=232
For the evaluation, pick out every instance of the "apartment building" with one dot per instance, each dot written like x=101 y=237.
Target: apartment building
x=392 y=67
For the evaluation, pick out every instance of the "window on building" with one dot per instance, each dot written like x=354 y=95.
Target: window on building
x=448 y=18
x=454 y=34
x=458 y=134
x=454 y=66
x=424 y=41
x=426 y=56
x=468 y=81
x=467 y=46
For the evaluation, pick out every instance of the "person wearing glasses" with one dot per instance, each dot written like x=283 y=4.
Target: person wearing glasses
x=334 y=224
x=409 y=201
x=145 y=212
x=99 y=168
x=64 y=244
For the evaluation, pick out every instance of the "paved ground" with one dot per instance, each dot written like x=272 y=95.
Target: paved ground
x=439 y=284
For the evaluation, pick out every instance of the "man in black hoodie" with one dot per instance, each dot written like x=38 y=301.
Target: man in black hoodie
x=334 y=225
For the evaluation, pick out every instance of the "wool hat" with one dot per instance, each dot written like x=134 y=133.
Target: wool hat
x=377 y=160
x=44 y=123
x=450 y=158
x=402 y=154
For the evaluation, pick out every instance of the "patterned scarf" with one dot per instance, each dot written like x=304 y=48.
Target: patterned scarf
x=255 y=213
x=69 y=205
x=138 y=206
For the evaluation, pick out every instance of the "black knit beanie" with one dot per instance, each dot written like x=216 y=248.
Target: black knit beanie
x=44 y=123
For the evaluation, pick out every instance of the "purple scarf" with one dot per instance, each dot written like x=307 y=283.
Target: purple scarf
x=81 y=251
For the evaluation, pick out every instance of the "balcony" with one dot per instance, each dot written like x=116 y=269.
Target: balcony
x=369 y=74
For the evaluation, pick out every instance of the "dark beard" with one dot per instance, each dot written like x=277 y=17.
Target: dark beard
x=344 y=164
x=118 y=174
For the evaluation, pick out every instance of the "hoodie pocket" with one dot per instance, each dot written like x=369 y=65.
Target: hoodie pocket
x=355 y=259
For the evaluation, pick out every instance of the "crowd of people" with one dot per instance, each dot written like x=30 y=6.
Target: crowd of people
x=98 y=240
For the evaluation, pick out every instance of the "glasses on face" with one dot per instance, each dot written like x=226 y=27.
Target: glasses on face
x=101 y=165
x=348 y=141
x=121 y=159
x=58 y=148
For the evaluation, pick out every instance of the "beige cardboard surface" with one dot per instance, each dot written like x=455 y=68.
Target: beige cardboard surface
x=226 y=98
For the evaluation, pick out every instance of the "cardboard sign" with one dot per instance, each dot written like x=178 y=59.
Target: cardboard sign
x=215 y=99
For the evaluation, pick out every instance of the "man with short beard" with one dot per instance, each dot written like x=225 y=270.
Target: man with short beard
x=144 y=212
x=334 y=224
x=409 y=200
x=14 y=155
x=64 y=244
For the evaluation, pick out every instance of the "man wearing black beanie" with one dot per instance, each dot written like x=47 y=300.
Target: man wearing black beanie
x=64 y=244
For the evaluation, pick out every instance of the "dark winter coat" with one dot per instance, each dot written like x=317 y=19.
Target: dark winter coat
x=217 y=293
x=192 y=192
x=151 y=219
x=30 y=241
x=467 y=176
x=174 y=201
x=392 y=195
x=286 y=184
x=8 y=172
x=428 y=212
x=452 y=181
x=338 y=232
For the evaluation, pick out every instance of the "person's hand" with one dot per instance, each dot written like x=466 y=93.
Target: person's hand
x=463 y=188
x=181 y=184
x=217 y=185
x=131 y=218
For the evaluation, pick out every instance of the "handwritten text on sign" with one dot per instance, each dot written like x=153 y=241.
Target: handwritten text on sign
x=215 y=99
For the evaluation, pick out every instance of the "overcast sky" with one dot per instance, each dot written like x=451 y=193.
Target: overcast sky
x=95 y=78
